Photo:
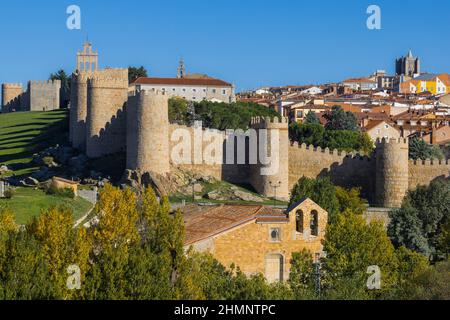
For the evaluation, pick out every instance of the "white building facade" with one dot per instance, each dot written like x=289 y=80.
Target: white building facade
x=196 y=90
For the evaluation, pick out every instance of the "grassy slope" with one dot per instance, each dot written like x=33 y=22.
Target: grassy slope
x=28 y=203
x=24 y=133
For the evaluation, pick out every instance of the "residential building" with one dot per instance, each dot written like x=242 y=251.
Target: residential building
x=432 y=83
x=191 y=89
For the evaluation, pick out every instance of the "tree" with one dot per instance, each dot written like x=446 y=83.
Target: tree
x=178 y=111
x=62 y=245
x=351 y=200
x=320 y=190
x=134 y=73
x=420 y=150
x=65 y=86
x=301 y=278
x=418 y=224
x=338 y=119
x=433 y=283
x=318 y=136
x=64 y=78
x=118 y=218
x=311 y=118
x=26 y=274
x=352 y=246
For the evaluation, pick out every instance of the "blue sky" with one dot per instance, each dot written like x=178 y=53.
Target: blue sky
x=251 y=43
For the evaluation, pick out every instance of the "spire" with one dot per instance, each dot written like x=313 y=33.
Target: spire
x=410 y=55
x=181 y=70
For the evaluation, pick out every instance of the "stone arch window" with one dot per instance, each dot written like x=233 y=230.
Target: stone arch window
x=314 y=223
x=274 y=267
x=299 y=221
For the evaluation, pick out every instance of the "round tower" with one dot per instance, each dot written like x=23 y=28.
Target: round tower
x=148 y=132
x=392 y=170
x=270 y=176
x=78 y=109
x=11 y=93
x=105 y=122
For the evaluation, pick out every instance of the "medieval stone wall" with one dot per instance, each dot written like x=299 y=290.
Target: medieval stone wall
x=422 y=173
x=198 y=148
x=346 y=170
x=44 y=95
x=105 y=121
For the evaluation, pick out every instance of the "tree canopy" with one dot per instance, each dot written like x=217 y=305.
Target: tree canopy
x=136 y=72
x=421 y=224
x=420 y=150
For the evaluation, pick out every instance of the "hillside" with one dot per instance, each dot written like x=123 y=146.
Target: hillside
x=23 y=134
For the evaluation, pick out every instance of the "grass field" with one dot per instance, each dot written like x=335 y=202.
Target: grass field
x=28 y=203
x=24 y=133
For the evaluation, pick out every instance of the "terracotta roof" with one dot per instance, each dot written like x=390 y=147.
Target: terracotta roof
x=203 y=222
x=182 y=82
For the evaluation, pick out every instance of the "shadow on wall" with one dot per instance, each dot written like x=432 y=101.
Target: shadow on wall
x=111 y=139
x=353 y=172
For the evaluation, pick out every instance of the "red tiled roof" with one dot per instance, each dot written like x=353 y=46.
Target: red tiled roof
x=202 y=222
x=182 y=82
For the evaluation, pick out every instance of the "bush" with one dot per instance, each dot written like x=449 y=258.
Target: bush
x=9 y=193
x=64 y=193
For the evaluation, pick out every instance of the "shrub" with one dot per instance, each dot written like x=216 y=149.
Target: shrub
x=9 y=193
x=65 y=193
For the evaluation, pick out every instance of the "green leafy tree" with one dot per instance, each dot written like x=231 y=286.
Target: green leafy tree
x=320 y=190
x=311 y=118
x=301 y=278
x=221 y=116
x=338 y=119
x=418 y=224
x=431 y=284
x=178 y=111
x=352 y=246
x=135 y=72
x=26 y=273
x=65 y=79
x=351 y=200
x=420 y=150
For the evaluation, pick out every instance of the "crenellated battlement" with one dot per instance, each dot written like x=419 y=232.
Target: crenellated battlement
x=269 y=123
x=430 y=162
x=333 y=152
x=107 y=83
x=150 y=93
x=42 y=83
x=384 y=141
x=12 y=86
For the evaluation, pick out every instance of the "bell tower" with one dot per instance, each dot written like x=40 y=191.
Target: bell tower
x=87 y=59
x=181 y=70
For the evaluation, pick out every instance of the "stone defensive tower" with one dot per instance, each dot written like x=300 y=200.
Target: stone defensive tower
x=271 y=179
x=392 y=172
x=78 y=109
x=11 y=93
x=148 y=132
x=44 y=95
x=107 y=94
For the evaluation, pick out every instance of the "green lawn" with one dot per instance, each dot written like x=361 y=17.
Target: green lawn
x=24 y=133
x=28 y=203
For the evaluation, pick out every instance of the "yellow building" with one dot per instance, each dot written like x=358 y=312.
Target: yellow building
x=435 y=84
x=256 y=239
